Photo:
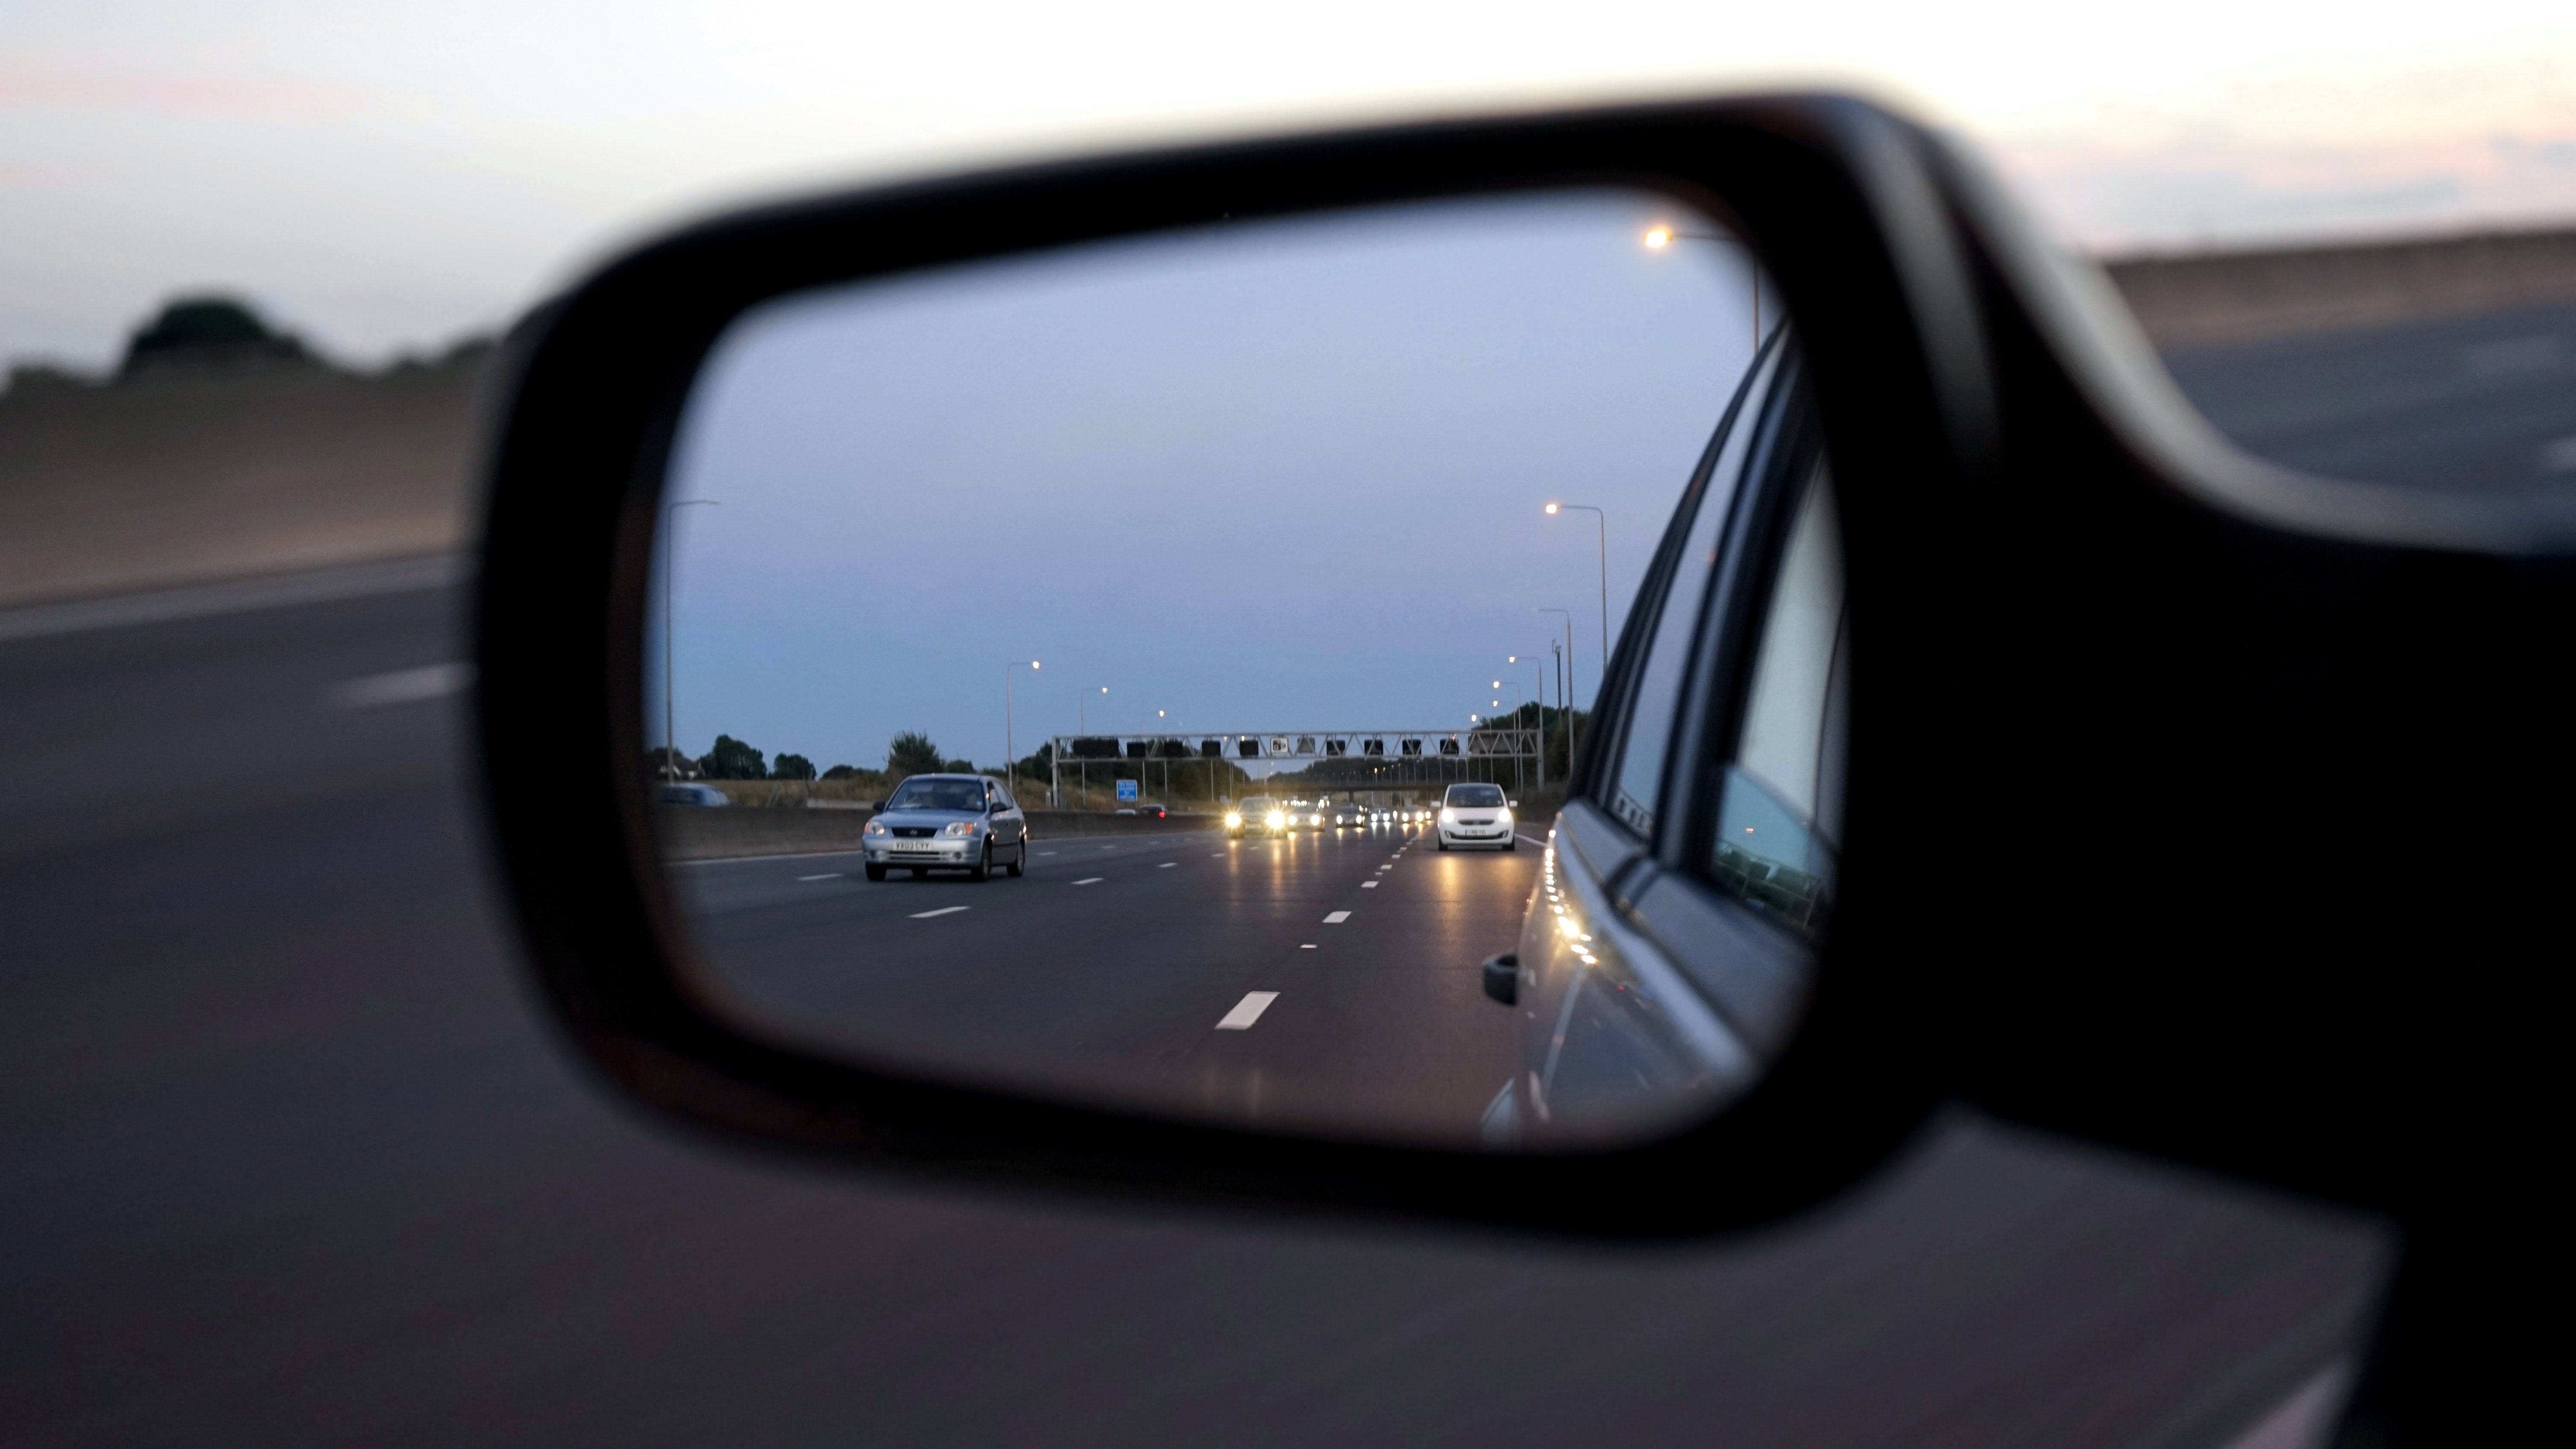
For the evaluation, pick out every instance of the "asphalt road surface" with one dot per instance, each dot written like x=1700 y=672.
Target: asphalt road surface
x=2486 y=402
x=1325 y=979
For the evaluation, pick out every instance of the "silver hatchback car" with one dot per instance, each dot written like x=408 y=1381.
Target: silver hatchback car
x=947 y=822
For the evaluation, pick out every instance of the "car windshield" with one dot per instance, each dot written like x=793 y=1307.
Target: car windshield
x=1259 y=803
x=922 y=794
x=1476 y=797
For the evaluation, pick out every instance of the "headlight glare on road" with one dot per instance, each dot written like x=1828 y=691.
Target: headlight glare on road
x=960 y=827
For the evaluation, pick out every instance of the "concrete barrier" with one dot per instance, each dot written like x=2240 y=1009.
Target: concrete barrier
x=2204 y=298
x=697 y=833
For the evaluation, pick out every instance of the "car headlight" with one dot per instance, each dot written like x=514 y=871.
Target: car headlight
x=1233 y=821
x=1276 y=820
x=873 y=827
x=961 y=827
x=1448 y=817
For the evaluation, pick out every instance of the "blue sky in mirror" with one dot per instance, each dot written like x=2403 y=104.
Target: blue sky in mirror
x=1278 y=475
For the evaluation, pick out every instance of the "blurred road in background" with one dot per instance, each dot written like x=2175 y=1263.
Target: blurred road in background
x=2483 y=403
x=291 y=1160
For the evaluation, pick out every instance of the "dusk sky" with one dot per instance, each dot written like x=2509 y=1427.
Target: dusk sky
x=1279 y=476
x=392 y=177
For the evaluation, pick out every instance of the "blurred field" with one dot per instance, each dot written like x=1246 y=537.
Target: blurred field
x=192 y=474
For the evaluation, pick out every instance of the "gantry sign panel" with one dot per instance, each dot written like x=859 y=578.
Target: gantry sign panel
x=1493 y=744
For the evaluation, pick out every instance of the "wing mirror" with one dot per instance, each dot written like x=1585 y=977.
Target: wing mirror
x=1782 y=330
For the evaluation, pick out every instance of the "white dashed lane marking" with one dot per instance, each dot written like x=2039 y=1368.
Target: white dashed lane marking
x=1247 y=1011
x=1305 y=948
x=1368 y=885
x=829 y=875
x=1167 y=865
x=1046 y=852
x=942 y=911
x=1094 y=880
x=1336 y=918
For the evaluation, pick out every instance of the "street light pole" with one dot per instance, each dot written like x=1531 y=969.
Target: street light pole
x=1659 y=237
x=1079 y=729
x=1565 y=666
x=1603 y=520
x=1010 y=749
x=1518 y=704
x=671 y=626
x=1538 y=692
x=1154 y=747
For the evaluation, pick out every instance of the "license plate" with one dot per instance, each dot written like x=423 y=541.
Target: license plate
x=916 y=847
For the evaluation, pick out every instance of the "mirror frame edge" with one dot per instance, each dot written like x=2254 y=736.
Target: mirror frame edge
x=1828 y=190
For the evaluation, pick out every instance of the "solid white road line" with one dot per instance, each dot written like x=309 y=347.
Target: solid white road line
x=240 y=596
x=942 y=911
x=1095 y=880
x=1336 y=918
x=827 y=875
x=402 y=686
x=1248 y=1010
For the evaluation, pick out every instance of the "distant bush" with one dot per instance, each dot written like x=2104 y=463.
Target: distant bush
x=209 y=330
x=791 y=767
x=731 y=759
x=912 y=753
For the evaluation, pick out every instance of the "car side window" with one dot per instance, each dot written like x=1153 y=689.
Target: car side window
x=1637 y=783
x=1780 y=797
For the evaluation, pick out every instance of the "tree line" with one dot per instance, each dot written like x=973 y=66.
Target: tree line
x=908 y=753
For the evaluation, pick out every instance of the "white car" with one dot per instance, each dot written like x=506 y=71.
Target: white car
x=1476 y=815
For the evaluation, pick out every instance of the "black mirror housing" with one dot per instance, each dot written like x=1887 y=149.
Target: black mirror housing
x=2033 y=523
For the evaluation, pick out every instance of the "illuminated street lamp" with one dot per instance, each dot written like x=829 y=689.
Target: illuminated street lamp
x=1603 y=520
x=1080 y=727
x=1659 y=236
x=1010 y=751
x=670 y=627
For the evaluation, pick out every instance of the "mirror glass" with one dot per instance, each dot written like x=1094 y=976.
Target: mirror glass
x=1148 y=672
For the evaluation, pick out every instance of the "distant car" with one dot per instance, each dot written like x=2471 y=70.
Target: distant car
x=1347 y=817
x=947 y=822
x=1476 y=815
x=1258 y=815
x=1150 y=812
x=676 y=794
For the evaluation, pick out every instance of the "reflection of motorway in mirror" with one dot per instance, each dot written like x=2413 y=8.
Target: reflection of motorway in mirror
x=1174 y=677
